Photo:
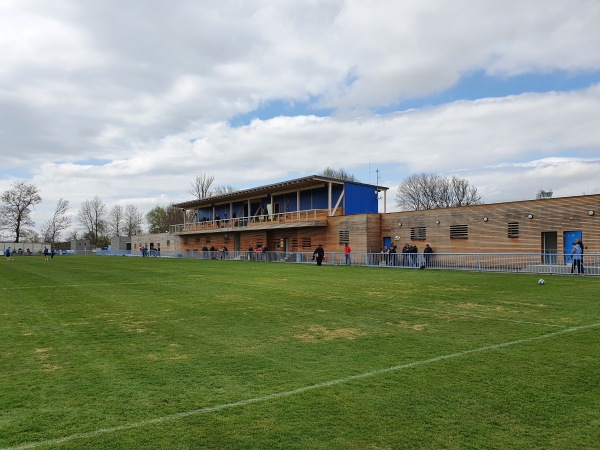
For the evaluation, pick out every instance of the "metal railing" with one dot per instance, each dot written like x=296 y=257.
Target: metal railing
x=479 y=262
x=286 y=218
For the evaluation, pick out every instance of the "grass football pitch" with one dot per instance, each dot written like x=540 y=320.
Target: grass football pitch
x=120 y=352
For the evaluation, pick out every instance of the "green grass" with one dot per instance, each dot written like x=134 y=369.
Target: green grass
x=117 y=352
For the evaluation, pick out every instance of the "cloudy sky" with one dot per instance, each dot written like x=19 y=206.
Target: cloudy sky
x=130 y=100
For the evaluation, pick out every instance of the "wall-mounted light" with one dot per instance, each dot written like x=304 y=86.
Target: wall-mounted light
x=530 y=216
x=437 y=221
x=591 y=212
x=399 y=224
x=571 y=218
x=485 y=219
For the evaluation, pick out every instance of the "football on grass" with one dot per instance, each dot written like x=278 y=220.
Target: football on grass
x=541 y=281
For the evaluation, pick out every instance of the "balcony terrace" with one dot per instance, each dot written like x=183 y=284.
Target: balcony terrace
x=307 y=218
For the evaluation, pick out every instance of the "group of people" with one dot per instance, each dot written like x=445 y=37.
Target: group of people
x=258 y=253
x=408 y=258
x=9 y=254
x=577 y=257
x=152 y=252
x=319 y=254
x=213 y=253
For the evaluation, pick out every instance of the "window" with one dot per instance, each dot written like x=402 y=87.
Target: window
x=513 y=229
x=168 y=242
x=185 y=240
x=306 y=242
x=459 y=232
x=418 y=233
x=344 y=236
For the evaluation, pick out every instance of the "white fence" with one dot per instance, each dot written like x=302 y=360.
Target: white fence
x=479 y=262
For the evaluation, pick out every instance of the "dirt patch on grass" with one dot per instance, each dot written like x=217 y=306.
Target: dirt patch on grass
x=478 y=307
x=319 y=333
x=42 y=353
x=536 y=305
x=409 y=326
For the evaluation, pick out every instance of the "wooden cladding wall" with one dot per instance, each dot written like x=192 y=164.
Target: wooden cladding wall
x=504 y=227
x=508 y=229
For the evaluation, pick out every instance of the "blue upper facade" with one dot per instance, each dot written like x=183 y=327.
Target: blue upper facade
x=304 y=194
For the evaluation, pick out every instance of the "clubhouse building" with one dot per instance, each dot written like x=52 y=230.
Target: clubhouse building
x=299 y=214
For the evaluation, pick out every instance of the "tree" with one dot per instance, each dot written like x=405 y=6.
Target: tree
x=201 y=185
x=160 y=219
x=115 y=221
x=338 y=174
x=15 y=213
x=222 y=190
x=59 y=222
x=92 y=215
x=429 y=191
x=463 y=194
x=73 y=235
x=133 y=220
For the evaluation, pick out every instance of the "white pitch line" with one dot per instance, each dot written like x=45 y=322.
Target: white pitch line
x=196 y=412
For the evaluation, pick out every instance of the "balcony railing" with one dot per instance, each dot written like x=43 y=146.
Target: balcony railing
x=288 y=219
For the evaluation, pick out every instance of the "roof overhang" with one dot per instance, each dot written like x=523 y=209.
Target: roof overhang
x=298 y=184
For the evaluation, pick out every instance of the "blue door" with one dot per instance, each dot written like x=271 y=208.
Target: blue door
x=568 y=240
x=387 y=242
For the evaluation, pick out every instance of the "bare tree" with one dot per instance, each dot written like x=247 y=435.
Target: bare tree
x=338 y=174
x=133 y=220
x=428 y=191
x=115 y=221
x=15 y=213
x=222 y=190
x=463 y=193
x=73 y=235
x=201 y=185
x=92 y=215
x=418 y=192
x=60 y=221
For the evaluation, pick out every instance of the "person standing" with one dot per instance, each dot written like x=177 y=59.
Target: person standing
x=8 y=254
x=347 y=251
x=393 y=255
x=427 y=253
x=576 y=258
x=319 y=254
x=45 y=253
x=580 y=244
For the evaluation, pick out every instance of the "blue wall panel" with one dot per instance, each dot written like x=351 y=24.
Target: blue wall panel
x=360 y=199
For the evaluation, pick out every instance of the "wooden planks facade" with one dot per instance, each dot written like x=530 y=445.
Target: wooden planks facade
x=512 y=227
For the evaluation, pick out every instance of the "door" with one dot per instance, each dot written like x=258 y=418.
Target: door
x=236 y=242
x=568 y=240
x=387 y=242
x=549 y=247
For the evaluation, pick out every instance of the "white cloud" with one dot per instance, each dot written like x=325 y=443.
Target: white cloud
x=151 y=91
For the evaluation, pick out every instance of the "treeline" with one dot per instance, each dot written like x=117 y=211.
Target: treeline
x=98 y=223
